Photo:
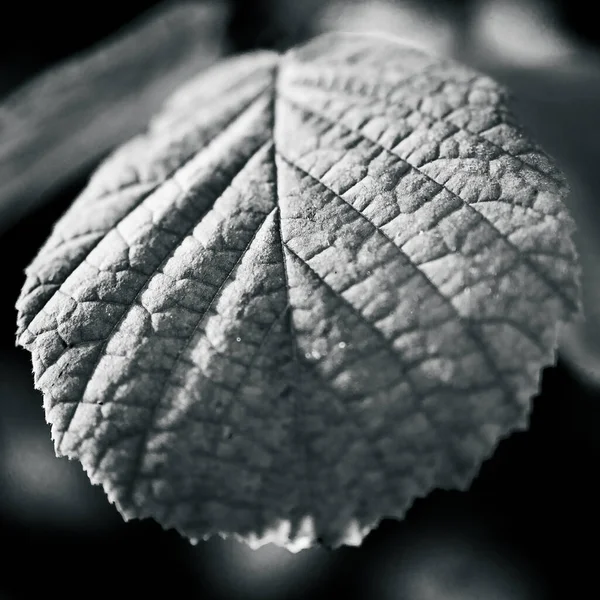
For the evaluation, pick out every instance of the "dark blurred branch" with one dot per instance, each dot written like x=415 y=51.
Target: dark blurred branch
x=62 y=122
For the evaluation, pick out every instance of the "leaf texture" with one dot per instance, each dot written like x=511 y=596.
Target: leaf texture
x=321 y=285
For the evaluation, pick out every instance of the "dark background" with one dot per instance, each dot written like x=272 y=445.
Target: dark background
x=529 y=525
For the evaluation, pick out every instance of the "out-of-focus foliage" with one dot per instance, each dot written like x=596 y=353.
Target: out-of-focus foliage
x=65 y=120
x=418 y=24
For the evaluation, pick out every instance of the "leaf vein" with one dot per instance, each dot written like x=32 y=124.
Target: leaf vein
x=523 y=258
x=148 y=429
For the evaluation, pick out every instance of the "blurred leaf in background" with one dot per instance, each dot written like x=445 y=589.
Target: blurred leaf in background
x=418 y=23
x=65 y=120
x=520 y=33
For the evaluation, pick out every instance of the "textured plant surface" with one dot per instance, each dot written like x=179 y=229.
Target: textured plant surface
x=320 y=286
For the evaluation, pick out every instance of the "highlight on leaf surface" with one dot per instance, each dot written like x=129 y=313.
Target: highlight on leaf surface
x=321 y=285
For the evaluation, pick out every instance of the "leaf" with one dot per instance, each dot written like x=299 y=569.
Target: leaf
x=320 y=286
x=65 y=120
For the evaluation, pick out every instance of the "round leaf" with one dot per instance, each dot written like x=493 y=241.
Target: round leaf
x=320 y=286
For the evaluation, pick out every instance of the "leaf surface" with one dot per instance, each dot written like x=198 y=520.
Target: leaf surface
x=320 y=286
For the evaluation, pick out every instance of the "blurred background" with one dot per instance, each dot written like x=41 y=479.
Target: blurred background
x=529 y=525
